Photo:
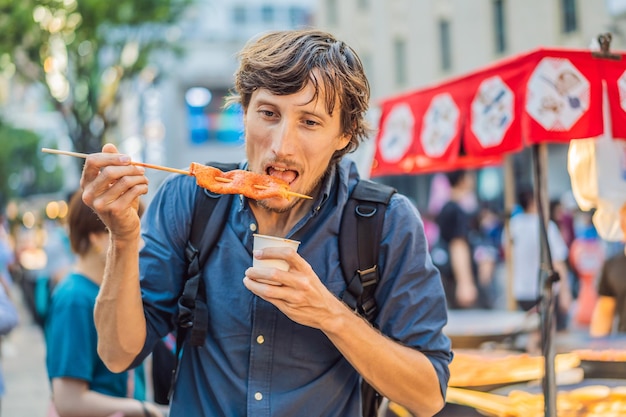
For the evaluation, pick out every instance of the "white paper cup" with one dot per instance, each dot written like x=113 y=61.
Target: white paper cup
x=264 y=241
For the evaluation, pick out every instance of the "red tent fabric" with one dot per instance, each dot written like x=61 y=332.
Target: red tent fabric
x=546 y=95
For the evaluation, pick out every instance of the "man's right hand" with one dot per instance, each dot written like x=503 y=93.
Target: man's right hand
x=112 y=187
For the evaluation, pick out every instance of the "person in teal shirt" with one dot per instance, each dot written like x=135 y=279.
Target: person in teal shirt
x=81 y=383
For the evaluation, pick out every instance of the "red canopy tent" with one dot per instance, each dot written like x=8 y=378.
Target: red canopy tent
x=546 y=95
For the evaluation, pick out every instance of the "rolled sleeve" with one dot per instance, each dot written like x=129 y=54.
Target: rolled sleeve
x=410 y=295
x=162 y=264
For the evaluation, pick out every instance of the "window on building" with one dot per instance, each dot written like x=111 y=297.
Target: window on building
x=446 y=47
x=331 y=9
x=400 y=61
x=267 y=14
x=239 y=15
x=570 y=20
x=499 y=26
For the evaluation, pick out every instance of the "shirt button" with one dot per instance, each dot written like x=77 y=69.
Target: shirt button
x=260 y=339
x=253 y=227
x=258 y=396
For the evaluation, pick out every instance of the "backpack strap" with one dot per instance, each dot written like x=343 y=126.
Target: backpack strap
x=193 y=313
x=363 y=218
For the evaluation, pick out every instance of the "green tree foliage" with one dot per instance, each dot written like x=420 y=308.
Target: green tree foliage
x=22 y=170
x=83 y=51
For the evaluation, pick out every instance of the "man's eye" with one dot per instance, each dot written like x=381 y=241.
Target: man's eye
x=267 y=113
x=311 y=123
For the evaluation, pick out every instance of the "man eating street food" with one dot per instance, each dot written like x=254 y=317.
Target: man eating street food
x=279 y=343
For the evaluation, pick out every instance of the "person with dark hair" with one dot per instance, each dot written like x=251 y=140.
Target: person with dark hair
x=609 y=312
x=460 y=278
x=525 y=254
x=81 y=383
x=279 y=343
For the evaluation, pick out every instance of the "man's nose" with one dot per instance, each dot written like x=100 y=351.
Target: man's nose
x=284 y=138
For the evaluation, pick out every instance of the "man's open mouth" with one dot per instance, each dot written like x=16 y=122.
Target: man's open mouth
x=285 y=174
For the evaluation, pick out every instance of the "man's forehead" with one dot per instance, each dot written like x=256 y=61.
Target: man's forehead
x=307 y=98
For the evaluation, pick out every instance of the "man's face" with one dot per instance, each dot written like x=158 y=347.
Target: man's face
x=291 y=137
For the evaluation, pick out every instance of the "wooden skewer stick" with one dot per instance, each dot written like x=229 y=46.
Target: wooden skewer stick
x=168 y=169
x=141 y=164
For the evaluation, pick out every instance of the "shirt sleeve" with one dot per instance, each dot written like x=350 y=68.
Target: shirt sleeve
x=162 y=265
x=410 y=294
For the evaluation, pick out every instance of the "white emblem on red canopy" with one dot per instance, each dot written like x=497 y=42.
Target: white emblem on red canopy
x=492 y=111
x=397 y=133
x=441 y=123
x=558 y=94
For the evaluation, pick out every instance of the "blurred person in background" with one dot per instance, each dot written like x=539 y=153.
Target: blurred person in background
x=30 y=261
x=8 y=311
x=7 y=252
x=586 y=257
x=485 y=239
x=609 y=313
x=8 y=319
x=525 y=255
x=460 y=278
x=59 y=261
x=564 y=220
x=81 y=383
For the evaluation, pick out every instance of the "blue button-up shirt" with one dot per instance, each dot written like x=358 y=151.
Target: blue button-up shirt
x=256 y=361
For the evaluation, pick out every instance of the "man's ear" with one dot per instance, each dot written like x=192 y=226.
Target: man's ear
x=344 y=140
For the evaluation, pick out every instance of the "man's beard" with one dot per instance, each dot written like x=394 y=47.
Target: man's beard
x=315 y=186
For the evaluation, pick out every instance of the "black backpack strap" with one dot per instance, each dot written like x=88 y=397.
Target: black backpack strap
x=363 y=218
x=193 y=313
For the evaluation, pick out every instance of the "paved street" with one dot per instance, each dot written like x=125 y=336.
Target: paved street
x=23 y=362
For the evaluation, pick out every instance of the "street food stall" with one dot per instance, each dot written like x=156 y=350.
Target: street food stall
x=543 y=96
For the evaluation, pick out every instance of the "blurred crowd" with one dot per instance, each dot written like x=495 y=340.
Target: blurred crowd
x=55 y=267
x=470 y=240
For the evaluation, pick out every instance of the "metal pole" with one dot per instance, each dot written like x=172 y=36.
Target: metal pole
x=509 y=202
x=547 y=278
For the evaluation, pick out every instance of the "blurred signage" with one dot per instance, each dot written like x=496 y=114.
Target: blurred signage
x=208 y=119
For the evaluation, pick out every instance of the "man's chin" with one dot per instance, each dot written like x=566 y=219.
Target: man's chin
x=277 y=205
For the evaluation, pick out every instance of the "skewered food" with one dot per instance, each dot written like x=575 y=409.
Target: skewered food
x=249 y=184
x=467 y=370
x=586 y=401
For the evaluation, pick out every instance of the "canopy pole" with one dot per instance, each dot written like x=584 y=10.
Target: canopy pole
x=547 y=277
x=509 y=203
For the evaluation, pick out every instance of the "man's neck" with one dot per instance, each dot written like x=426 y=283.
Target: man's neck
x=274 y=223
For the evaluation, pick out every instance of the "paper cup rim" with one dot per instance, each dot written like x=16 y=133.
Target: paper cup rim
x=282 y=239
